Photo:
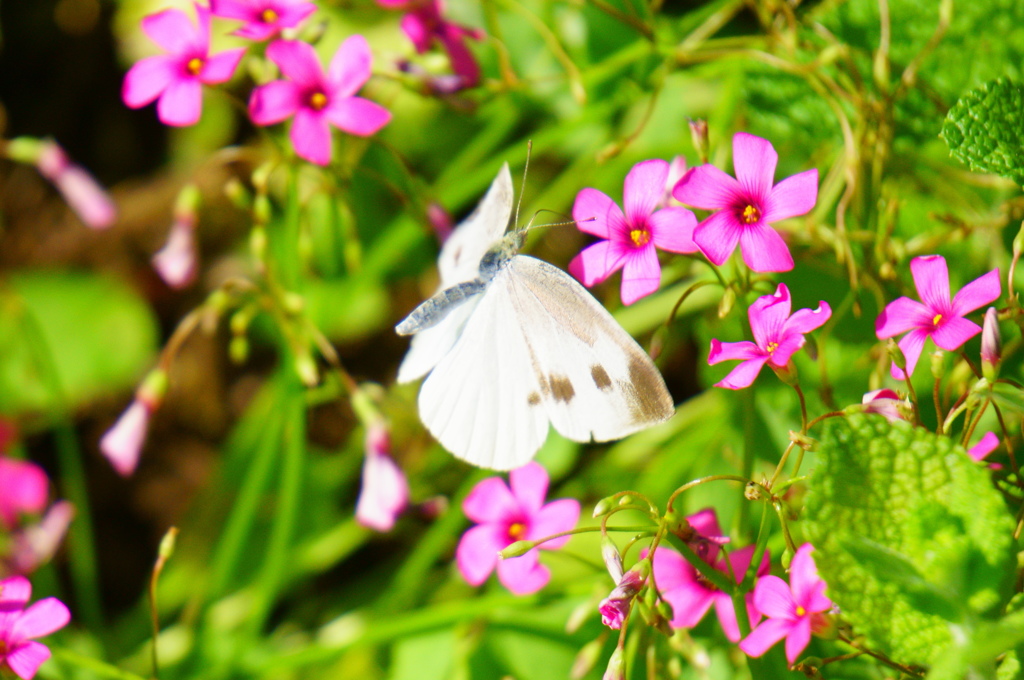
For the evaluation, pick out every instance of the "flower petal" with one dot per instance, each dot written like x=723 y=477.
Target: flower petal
x=172 y=30
x=670 y=569
x=672 y=230
x=773 y=598
x=221 y=66
x=274 y=102
x=764 y=250
x=146 y=79
x=384 y=492
x=463 y=62
x=743 y=375
x=985 y=446
x=803 y=574
x=42 y=618
x=298 y=61
x=727 y=616
x=26 y=658
x=477 y=552
x=764 y=637
x=792 y=196
x=523 y=575
x=901 y=315
x=311 y=136
x=977 y=293
x=181 y=103
x=357 y=116
x=641 y=274
x=705 y=522
x=931 y=277
x=798 y=638
x=596 y=263
x=529 y=485
x=554 y=518
x=954 y=332
x=690 y=601
x=718 y=235
x=491 y=501
x=644 y=185
x=417 y=31
x=233 y=9
x=14 y=592
x=595 y=213
x=708 y=188
x=754 y=160
x=768 y=315
x=911 y=346
x=350 y=66
x=23 y=488
x=727 y=351
x=807 y=320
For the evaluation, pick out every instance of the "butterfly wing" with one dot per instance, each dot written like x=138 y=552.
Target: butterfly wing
x=596 y=382
x=476 y=401
x=458 y=262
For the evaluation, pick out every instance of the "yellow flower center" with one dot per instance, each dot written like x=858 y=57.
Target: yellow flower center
x=936 y=319
x=750 y=215
x=194 y=65
x=317 y=101
x=800 y=611
x=772 y=346
x=640 y=237
x=517 y=530
x=268 y=16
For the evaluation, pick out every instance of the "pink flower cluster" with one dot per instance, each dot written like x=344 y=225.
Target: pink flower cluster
x=20 y=625
x=316 y=100
x=425 y=24
x=744 y=209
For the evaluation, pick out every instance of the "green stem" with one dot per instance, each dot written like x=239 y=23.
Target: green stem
x=748 y=404
x=720 y=580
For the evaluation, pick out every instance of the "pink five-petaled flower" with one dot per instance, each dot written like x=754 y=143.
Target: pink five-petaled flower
x=691 y=595
x=505 y=515
x=176 y=78
x=886 y=403
x=317 y=100
x=936 y=317
x=793 y=611
x=23 y=488
x=263 y=18
x=385 y=492
x=18 y=626
x=777 y=335
x=424 y=24
x=747 y=205
x=633 y=237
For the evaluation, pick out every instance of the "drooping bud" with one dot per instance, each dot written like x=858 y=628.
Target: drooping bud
x=122 y=443
x=616 y=666
x=699 y=135
x=612 y=558
x=517 y=549
x=896 y=354
x=586 y=658
x=385 y=491
x=991 y=345
x=35 y=545
x=176 y=261
x=938 y=364
x=615 y=607
x=604 y=506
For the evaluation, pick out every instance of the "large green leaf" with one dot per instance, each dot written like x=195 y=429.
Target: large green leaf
x=985 y=129
x=911 y=536
x=69 y=335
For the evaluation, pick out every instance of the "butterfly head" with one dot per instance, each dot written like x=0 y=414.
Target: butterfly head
x=500 y=253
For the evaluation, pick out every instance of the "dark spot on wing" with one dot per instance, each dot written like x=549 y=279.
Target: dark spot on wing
x=600 y=377
x=561 y=388
x=533 y=399
x=649 y=401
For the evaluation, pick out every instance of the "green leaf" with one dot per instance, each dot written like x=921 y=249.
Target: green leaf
x=70 y=336
x=910 y=535
x=985 y=129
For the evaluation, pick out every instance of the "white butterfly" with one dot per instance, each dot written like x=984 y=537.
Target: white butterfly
x=513 y=343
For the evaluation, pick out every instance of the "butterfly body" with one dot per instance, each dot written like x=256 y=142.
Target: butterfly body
x=519 y=345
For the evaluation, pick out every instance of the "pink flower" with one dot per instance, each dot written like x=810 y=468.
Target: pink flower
x=176 y=78
x=176 y=261
x=122 y=444
x=691 y=595
x=24 y=488
x=85 y=196
x=36 y=544
x=316 y=100
x=384 y=493
x=793 y=612
x=747 y=205
x=425 y=24
x=505 y=515
x=615 y=607
x=777 y=335
x=991 y=345
x=263 y=18
x=884 y=403
x=633 y=237
x=985 y=446
x=677 y=169
x=937 y=317
x=18 y=626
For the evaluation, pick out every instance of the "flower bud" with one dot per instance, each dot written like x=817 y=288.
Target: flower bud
x=604 y=506
x=35 y=545
x=586 y=658
x=938 y=364
x=699 y=135
x=616 y=666
x=885 y=402
x=440 y=220
x=753 y=491
x=896 y=354
x=991 y=345
x=727 y=302
x=122 y=443
x=385 y=492
x=176 y=261
x=615 y=607
x=612 y=558
x=516 y=549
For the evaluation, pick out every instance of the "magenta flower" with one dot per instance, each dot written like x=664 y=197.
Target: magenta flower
x=747 y=205
x=263 y=18
x=425 y=24
x=615 y=607
x=18 y=626
x=691 y=595
x=985 y=446
x=509 y=513
x=886 y=403
x=316 y=100
x=937 y=317
x=385 y=492
x=24 y=488
x=777 y=335
x=122 y=443
x=175 y=79
x=35 y=545
x=176 y=261
x=631 y=239
x=81 y=191
x=793 y=612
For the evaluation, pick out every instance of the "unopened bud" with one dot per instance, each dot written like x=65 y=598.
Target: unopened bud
x=238 y=194
x=238 y=349
x=896 y=354
x=787 y=373
x=167 y=544
x=604 y=506
x=938 y=364
x=991 y=345
x=586 y=658
x=699 y=135
x=616 y=666
x=516 y=549
x=612 y=558
x=305 y=367
x=258 y=243
x=727 y=302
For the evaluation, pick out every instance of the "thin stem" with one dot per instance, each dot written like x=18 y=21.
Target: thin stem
x=803 y=408
x=703 y=480
x=938 y=403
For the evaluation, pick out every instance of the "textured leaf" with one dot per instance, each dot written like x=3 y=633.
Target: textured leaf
x=909 y=532
x=985 y=129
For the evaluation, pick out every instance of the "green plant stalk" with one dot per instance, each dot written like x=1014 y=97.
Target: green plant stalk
x=747 y=403
x=720 y=580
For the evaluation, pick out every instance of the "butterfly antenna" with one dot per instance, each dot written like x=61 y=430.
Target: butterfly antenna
x=522 y=186
x=564 y=221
